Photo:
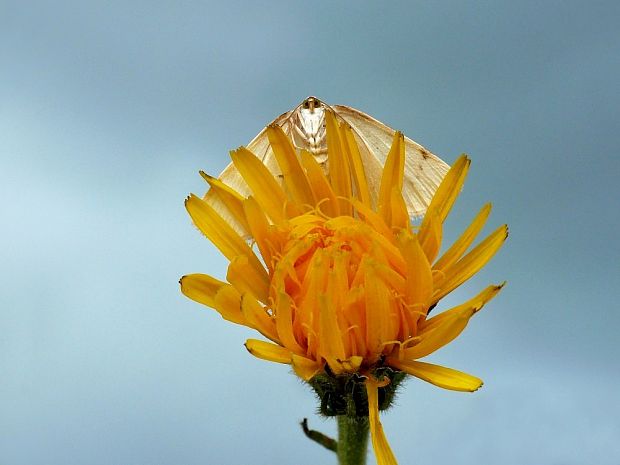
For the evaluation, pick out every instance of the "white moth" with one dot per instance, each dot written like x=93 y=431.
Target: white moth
x=305 y=126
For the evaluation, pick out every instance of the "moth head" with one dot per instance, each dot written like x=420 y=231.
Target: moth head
x=311 y=103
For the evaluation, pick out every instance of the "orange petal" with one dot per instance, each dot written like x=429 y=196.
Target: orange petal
x=331 y=345
x=377 y=311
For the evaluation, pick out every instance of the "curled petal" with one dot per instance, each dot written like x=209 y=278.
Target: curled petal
x=201 y=288
x=218 y=231
x=268 y=351
x=257 y=317
x=244 y=277
x=215 y=294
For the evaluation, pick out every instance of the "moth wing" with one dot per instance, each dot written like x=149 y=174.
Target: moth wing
x=423 y=170
x=260 y=147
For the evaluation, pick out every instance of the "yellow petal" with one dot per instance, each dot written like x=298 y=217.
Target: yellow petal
x=419 y=280
x=201 y=288
x=331 y=346
x=357 y=166
x=228 y=304
x=352 y=364
x=268 y=351
x=339 y=173
x=444 y=328
x=266 y=189
x=230 y=197
x=258 y=225
x=373 y=219
x=391 y=278
x=304 y=367
x=295 y=178
x=245 y=278
x=284 y=323
x=323 y=192
x=430 y=235
x=377 y=311
x=443 y=377
x=215 y=294
x=447 y=192
x=476 y=303
x=257 y=317
x=457 y=249
x=337 y=290
x=345 y=226
x=469 y=265
x=220 y=233
x=381 y=447
x=398 y=207
x=393 y=175
x=440 y=336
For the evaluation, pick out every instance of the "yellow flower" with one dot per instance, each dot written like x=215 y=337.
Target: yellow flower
x=336 y=284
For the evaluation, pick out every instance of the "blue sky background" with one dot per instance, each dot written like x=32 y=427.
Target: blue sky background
x=109 y=109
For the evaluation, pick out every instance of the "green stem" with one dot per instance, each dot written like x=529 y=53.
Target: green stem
x=352 y=440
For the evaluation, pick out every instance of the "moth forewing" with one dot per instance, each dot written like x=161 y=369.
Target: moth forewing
x=305 y=126
x=423 y=170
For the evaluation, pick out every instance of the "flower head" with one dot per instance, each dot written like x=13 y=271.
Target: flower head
x=338 y=284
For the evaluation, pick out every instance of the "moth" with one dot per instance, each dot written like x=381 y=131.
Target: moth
x=305 y=125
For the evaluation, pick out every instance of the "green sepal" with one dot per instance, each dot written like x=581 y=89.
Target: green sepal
x=345 y=394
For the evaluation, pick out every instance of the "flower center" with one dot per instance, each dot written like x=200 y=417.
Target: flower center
x=338 y=280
